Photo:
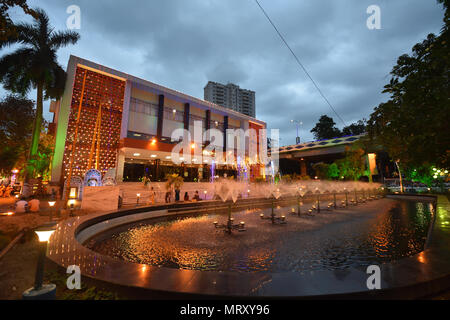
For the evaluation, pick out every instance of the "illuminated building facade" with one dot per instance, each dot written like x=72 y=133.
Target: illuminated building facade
x=107 y=119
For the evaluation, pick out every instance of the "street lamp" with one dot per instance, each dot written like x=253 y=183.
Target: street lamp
x=51 y=204
x=42 y=291
x=298 y=123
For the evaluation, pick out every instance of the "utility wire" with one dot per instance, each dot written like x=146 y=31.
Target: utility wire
x=300 y=64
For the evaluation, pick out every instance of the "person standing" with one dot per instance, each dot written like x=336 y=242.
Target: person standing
x=152 y=195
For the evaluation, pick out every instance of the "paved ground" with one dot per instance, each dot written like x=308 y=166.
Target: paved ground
x=17 y=267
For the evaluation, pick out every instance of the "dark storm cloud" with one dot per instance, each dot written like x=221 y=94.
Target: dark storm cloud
x=183 y=44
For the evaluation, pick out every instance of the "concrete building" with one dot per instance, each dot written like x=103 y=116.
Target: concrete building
x=231 y=96
x=107 y=119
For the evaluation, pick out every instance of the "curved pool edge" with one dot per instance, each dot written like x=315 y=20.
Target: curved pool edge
x=420 y=275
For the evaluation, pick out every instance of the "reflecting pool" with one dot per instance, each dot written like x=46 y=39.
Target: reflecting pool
x=371 y=233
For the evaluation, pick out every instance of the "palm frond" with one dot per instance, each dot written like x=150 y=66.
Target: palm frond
x=63 y=38
x=13 y=71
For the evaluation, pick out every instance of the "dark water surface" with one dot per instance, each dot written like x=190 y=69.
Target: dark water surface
x=372 y=233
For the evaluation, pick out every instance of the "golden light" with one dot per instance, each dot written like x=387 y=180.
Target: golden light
x=138 y=195
x=9 y=213
x=15 y=171
x=192 y=145
x=73 y=193
x=51 y=203
x=44 y=236
x=71 y=202
x=45 y=231
x=153 y=141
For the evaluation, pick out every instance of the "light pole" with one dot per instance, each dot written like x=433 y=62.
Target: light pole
x=42 y=291
x=298 y=123
x=51 y=204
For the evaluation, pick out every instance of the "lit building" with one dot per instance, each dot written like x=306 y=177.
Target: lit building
x=125 y=123
x=231 y=96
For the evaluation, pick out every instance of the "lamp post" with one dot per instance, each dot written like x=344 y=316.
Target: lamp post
x=71 y=204
x=42 y=291
x=51 y=204
x=138 y=195
x=298 y=123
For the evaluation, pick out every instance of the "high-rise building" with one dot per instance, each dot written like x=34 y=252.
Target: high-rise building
x=231 y=96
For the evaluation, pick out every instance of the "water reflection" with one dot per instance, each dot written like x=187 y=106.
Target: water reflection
x=377 y=232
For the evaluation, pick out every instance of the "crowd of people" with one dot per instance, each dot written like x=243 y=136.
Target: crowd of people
x=168 y=196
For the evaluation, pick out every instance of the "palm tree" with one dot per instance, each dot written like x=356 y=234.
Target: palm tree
x=34 y=65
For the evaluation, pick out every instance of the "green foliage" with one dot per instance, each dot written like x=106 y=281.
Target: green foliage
x=39 y=165
x=333 y=171
x=325 y=129
x=7 y=28
x=355 y=128
x=173 y=180
x=16 y=122
x=351 y=167
x=412 y=125
x=84 y=293
x=34 y=65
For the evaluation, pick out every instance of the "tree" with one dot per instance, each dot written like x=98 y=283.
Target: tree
x=353 y=165
x=35 y=65
x=16 y=121
x=413 y=124
x=7 y=28
x=325 y=129
x=355 y=128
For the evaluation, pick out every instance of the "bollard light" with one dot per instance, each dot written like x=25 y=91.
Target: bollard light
x=138 y=195
x=51 y=204
x=40 y=291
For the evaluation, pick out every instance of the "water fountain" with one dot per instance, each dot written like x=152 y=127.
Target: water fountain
x=229 y=190
x=274 y=195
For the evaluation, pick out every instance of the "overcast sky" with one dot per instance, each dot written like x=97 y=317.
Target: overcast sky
x=182 y=44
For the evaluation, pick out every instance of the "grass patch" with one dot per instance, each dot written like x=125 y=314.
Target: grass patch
x=86 y=292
